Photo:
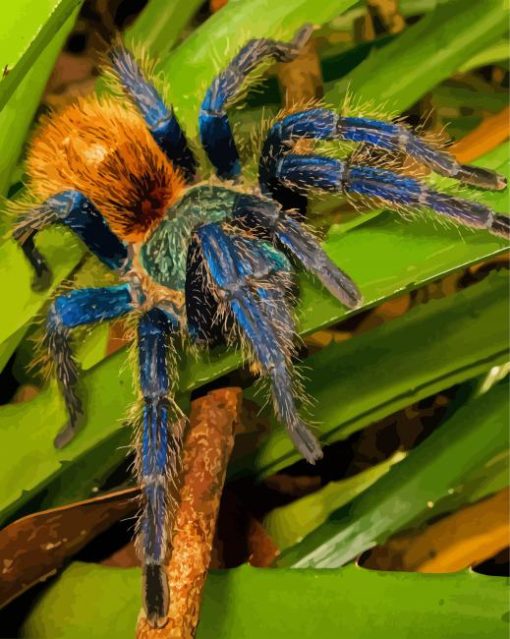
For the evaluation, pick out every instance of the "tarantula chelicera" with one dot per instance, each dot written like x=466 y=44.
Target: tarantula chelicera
x=207 y=260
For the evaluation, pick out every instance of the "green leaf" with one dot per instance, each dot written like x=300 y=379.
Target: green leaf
x=249 y=603
x=28 y=27
x=160 y=24
x=449 y=95
x=8 y=347
x=17 y=114
x=287 y=525
x=34 y=34
x=62 y=253
x=423 y=55
x=473 y=438
x=15 y=275
x=35 y=423
x=494 y=53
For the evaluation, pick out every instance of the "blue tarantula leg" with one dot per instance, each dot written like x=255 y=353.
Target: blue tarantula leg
x=77 y=308
x=215 y=131
x=74 y=210
x=160 y=119
x=396 y=190
x=395 y=137
x=323 y=124
x=301 y=243
x=245 y=277
x=158 y=457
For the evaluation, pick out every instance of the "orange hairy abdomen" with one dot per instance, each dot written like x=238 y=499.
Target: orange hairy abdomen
x=104 y=149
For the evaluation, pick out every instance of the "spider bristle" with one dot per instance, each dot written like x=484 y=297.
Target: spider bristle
x=353 y=105
x=147 y=62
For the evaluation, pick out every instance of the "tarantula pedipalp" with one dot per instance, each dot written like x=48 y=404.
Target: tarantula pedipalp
x=204 y=260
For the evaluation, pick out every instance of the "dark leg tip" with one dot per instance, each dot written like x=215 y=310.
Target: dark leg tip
x=155 y=595
x=502 y=182
x=42 y=280
x=482 y=178
x=341 y=286
x=306 y=443
x=302 y=36
x=65 y=436
x=42 y=276
x=501 y=226
x=68 y=433
x=286 y=52
x=350 y=294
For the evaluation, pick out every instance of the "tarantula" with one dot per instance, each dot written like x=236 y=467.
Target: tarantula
x=206 y=260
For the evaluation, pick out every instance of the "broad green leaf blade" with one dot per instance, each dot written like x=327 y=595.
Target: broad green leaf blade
x=287 y=525
x=15 y=118
x=17 y=114
x=15 y=275
x=28 y=26
x=30 y=428
x=62 y=253
x=249 y=603
x=474 y=437
x=8 y=347
x=160 y=23
x=425 y=54
x=494 y=53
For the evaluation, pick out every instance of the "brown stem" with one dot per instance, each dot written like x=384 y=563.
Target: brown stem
x=301 y=80
x=207 y=449
x=386 y=13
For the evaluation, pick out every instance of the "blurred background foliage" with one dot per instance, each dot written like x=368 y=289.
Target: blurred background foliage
x=410 y=391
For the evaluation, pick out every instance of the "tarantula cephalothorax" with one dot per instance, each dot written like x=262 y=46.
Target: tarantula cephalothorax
x=205 y=259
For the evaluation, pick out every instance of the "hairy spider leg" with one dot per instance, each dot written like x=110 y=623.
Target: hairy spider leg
x=160 y=119
x=74 y=210
x=158 y=456
x=243 y=273
x=215 y=130
x=77 y=308
x=323 y=124
x=305 y=171
x=295 y=239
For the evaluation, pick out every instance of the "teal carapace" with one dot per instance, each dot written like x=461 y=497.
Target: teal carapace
x=164 y=254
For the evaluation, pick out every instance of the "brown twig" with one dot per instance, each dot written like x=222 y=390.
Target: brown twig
x=386 y=12
x=382 y=17
x=207 y=450
x=301 y=79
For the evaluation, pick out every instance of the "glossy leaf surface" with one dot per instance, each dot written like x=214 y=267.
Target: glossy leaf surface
x=249 y=603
